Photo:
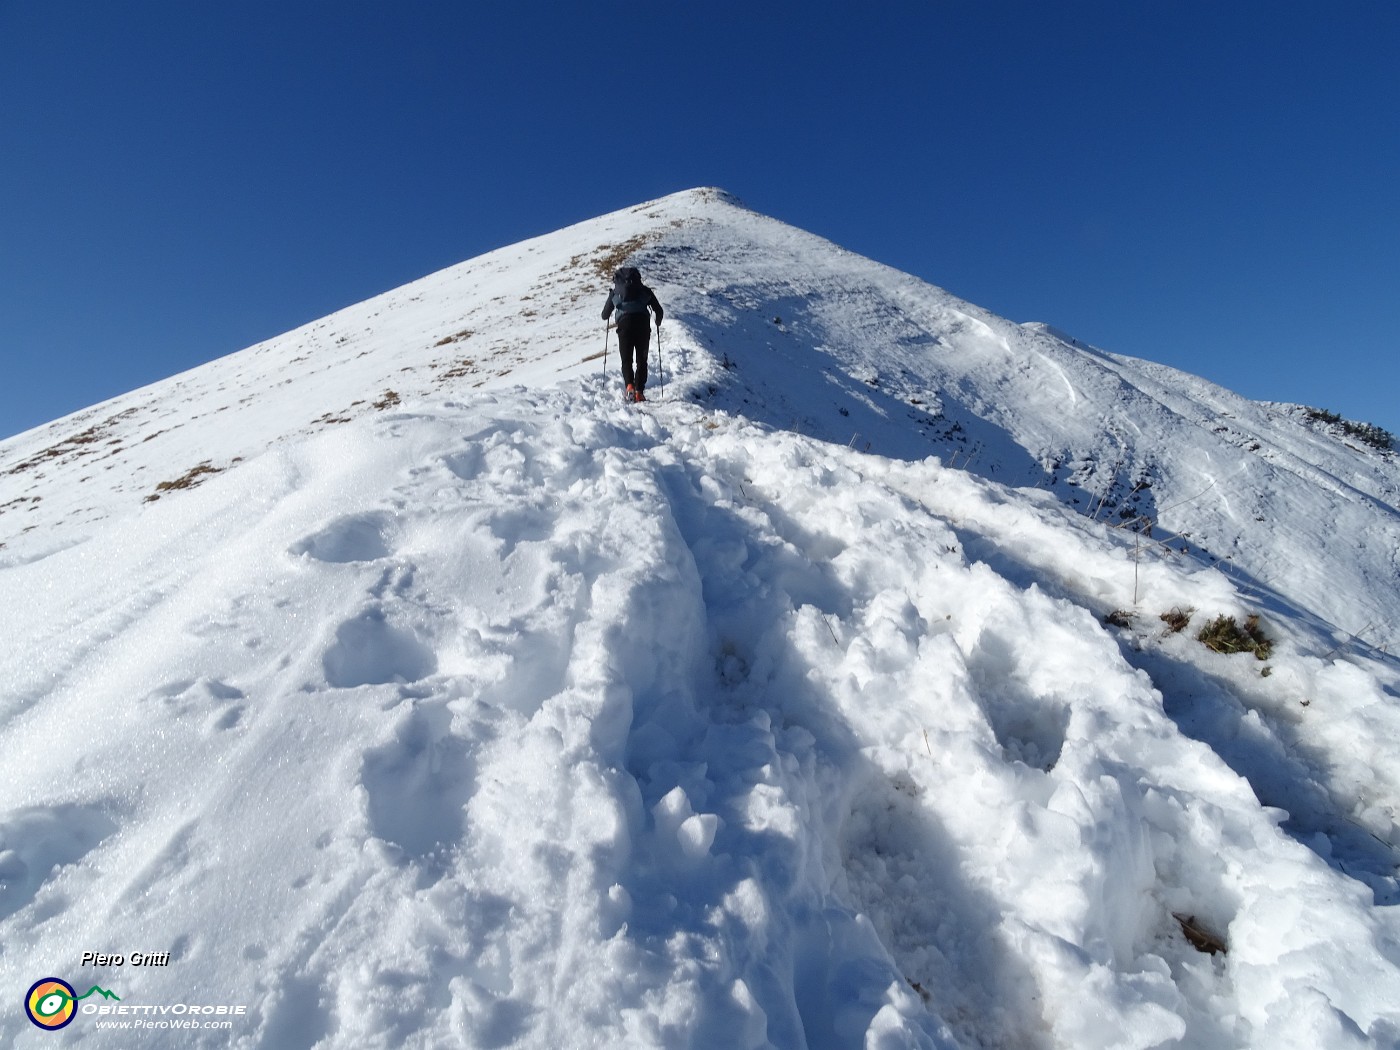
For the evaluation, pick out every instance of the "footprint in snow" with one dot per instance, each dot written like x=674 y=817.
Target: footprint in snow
x=358 y=537
x=1030 y=727
x=219 y=702
x=369 y=650
x=418 y=784
x=37 y=842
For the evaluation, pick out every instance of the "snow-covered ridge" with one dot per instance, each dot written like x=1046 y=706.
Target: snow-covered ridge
x=818 y=340
x=411 y=691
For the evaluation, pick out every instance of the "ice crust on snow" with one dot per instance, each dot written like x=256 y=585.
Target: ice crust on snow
x=411 y=691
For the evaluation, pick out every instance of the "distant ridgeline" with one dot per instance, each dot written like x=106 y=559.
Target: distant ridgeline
x=1376 y=437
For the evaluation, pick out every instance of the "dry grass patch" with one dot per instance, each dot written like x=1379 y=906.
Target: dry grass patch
x=1201 y=938
x=1225 y=635
x=191 y=478
x=1178 y=618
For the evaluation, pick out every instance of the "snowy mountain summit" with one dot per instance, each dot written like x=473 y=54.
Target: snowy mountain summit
x=899 y=676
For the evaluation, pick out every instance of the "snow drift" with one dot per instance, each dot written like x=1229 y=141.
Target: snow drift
x=408 y=690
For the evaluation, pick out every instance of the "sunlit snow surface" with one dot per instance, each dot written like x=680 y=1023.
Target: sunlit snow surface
x=411 y=691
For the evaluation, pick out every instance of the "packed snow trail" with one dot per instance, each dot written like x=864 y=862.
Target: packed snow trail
x=579 y=725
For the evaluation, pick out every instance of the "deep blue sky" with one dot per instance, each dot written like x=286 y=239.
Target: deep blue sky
x=1213 y=185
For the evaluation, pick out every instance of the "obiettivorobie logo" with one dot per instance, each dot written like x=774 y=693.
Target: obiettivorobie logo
x=52 y=1003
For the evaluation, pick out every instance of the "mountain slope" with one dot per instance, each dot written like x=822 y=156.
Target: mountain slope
x=439 y=710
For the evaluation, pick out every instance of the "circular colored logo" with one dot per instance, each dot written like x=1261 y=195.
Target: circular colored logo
x=50 y=1003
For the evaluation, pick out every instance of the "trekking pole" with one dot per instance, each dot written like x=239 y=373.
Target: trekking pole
x=660 y=364
x=606 y=329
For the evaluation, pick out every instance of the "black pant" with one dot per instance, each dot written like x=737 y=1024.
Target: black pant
x=634 y=338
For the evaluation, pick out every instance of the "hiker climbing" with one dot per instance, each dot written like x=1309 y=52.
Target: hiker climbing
x=631 y=299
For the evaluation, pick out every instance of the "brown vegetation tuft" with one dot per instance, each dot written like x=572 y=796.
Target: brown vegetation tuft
x=1177 y=618
x=1224 y=635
